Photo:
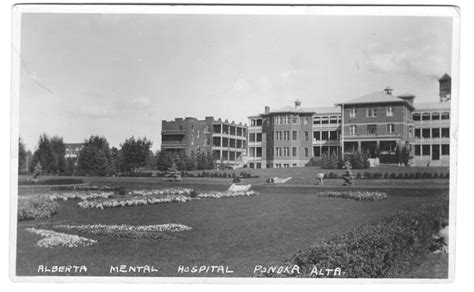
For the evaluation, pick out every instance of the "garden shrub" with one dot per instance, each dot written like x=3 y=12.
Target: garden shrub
x=55 y=181
x=368 y=175
x=405 y=175
x=358 y=175
x=435 y=175
x=447 y=175
x=383 y=249
x=393 y=175
x=418 y=175
x=386 y=175
x=193 y=194
x=236 y=180
x=411 y=176
x=400 y=176
x=36 y=207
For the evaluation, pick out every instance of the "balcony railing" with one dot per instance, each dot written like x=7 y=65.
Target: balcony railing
x=173 y=132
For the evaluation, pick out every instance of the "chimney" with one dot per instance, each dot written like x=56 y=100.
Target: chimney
x=267 y=109
x=297 y=104
x=388 y=90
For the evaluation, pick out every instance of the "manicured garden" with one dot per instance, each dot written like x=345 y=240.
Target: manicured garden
x=214 y=228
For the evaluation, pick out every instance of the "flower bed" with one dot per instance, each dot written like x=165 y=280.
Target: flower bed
x=355 y=195
x=36 y=207
x=136 y=200
x=127 y=231
x=53 y=238
x=227 y=194
x=80 y=195
x=167 y=191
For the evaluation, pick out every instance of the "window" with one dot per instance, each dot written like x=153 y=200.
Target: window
x=317 y=136
x=295 y=135
x=286 y=151
x=252 y=137
x=435 y=116
x=294 y=151
x=371 y=112
x=295 y=120
x=324 y=136
x=445 y=116
x=444 y=132
x=390 y=128
x=206 y=129
x=306 y=120
x=306 y=135
x=278 y=151
x=333 y=135
x=426 y=150
x=435 y=133
x=372 y=129
x=425 y=133
x=324 y=120
x=353 y=130
x=445 y=149
x=258 y=152
x=317 y=121
x=286 y=135
x=259 y=137
x=417 y=133
x=425 y=117
x=259 y=123
x=276 y=120
x=416 y=116
x=333 y=120
x=389 y=111
x=352 y=113
x=317 y=151
x=306 y=152
x=417 y=150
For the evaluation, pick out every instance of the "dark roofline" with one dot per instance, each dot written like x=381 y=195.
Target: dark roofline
x=378 y=102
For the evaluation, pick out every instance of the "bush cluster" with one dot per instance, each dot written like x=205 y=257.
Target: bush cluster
x=36 y=207
x=358 y=160
x=412 y=175
x=383 y=249
x=233 y=175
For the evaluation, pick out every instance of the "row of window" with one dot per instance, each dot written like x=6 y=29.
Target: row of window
x=255 y=122
x=226 y=142
x=285 y=135
x=372 y=129
x=255 y=137
x=431 y=116
x=255 y=151
x=428 y=133
x=226 y=155
x=428 y=150
x=325 y=135
x=290 y=119
x=285 y=151
x=226 y=129
x=371 y=112
x=332 y=120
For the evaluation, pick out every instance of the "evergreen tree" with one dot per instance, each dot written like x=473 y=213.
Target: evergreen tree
x=22 y=154
x=50 y=155
x=95 y=157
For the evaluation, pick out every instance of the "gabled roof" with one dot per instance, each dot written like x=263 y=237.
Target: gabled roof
x=376 y=97
x=445 y=77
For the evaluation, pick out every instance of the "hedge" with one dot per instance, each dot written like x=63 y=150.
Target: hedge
x=384 y=249
x=36 y=207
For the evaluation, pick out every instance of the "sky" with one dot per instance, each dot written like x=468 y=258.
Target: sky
x=119 y=75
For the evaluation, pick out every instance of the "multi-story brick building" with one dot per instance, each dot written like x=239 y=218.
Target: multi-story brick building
x=378 y=123
x=291 y=136
x=227 y=141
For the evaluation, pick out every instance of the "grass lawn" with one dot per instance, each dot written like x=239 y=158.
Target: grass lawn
x=236 y=232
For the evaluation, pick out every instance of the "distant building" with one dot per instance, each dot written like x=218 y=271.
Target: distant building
x=226 y=141
x=73 y=149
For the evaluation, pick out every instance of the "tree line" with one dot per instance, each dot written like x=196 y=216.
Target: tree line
x=97 y=158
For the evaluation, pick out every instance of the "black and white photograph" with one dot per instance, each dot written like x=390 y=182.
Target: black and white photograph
x=232 y=143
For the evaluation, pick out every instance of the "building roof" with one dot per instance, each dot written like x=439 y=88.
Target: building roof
x=290 y=109
x=433 y=106
x=376 y=97
x=445 y=77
